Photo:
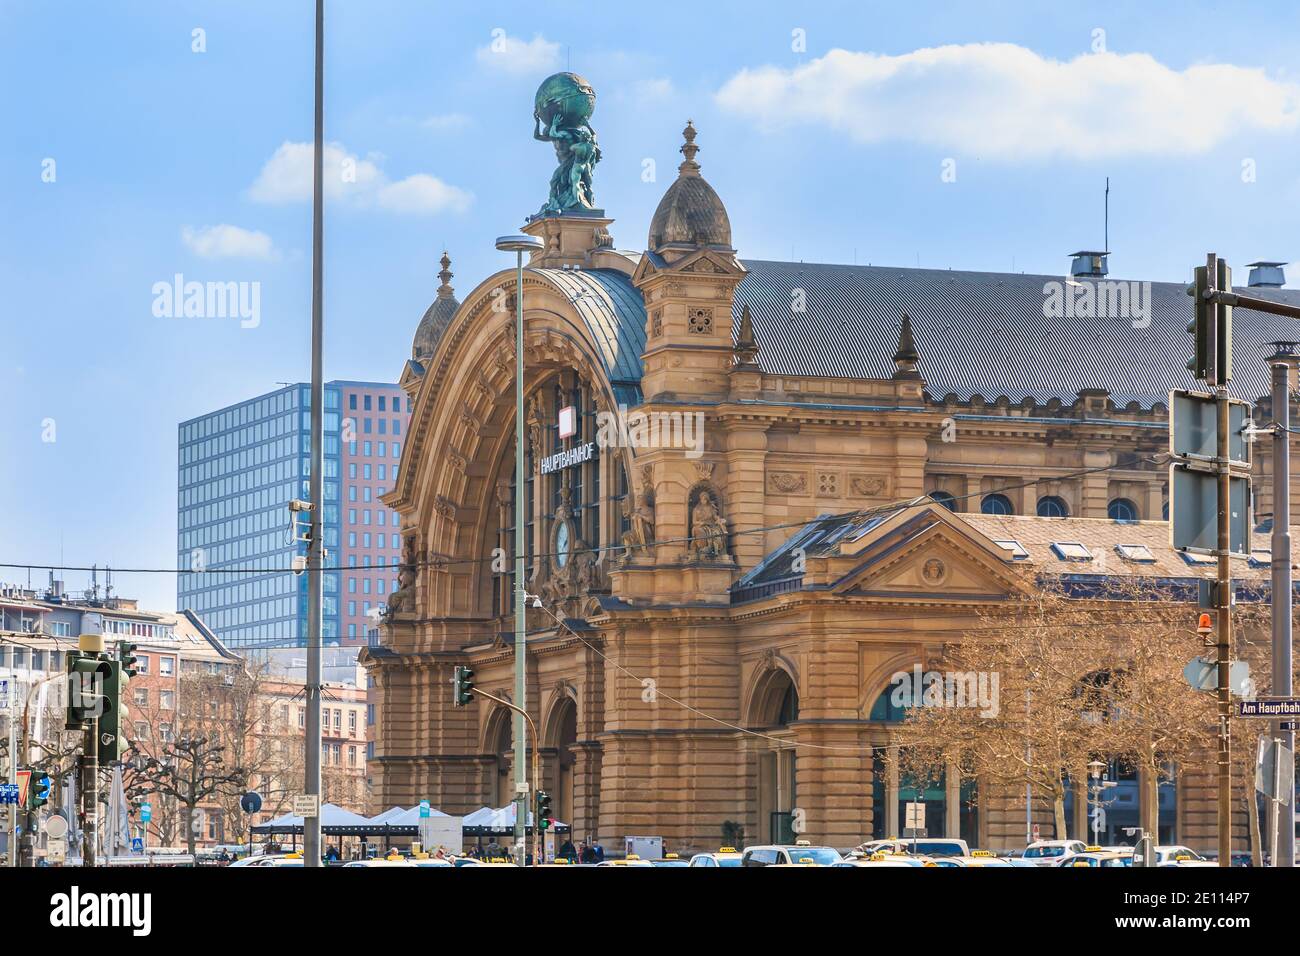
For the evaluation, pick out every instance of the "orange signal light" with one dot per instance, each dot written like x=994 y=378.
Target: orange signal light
x=1204 y=624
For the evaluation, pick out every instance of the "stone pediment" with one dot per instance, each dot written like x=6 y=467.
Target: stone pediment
x=706 y=263
x=930 y=553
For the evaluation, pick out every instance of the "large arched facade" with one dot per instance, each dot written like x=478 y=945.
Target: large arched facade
x=726 y=592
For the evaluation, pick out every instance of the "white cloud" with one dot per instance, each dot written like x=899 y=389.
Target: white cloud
x=228 y=242
x=508 y=54
x=348 y=178
x=422 y=194
x=445 y=122
x=1005 y=101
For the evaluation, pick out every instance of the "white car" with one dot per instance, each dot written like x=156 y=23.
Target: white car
x=1180 y=856
x=784 y=854
x=1051 y=852
x=727 y=856
x=924 y=846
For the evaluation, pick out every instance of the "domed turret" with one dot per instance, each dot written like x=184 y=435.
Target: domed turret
x=690 y=215
x=438 y=316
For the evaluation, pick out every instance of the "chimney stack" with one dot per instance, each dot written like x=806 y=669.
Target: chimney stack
x=1091 y=265
x=1266 y=275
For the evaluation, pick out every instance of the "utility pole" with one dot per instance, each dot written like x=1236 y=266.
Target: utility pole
x=316 y=546
x=1284 y=357
x=1223 y=646
x=1212 y=362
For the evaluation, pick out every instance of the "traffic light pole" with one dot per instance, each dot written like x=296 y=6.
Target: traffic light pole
x=1224 y=642
x=1281 y=362
x=521 y=819
x=90 y=793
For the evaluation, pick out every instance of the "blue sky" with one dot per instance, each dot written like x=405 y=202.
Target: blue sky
x=826 y=128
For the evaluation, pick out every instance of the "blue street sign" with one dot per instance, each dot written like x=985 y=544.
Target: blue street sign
x=137 y=845
x=1274 y=708
x=146 y=812
x=424 y=809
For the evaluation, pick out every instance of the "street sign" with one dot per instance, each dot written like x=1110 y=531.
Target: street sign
x=56 y=828
x=1194 y=427
x=1202 y=673
x=1269 y=708
x=137 y=845
x=1267 y=780
x=424 y=809
x=4 y=693
x=56 y=851
x=24 y=778
x=915 y=815
x=146 y=812
x=306 y=805
x=251 y=802
x=1194 y=510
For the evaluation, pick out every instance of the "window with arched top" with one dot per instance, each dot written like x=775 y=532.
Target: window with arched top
x=889 y=707
x=945 y=499
x=1053 y=506
x=1122 y=509
x=996 y=505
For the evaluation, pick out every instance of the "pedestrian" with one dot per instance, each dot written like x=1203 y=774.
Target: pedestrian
x=586 y=854
x=566 y=850
x=599 y=852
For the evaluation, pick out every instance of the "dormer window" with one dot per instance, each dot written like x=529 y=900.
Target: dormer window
x=1138 y=553
x=1018 y=550
x=1071 y=551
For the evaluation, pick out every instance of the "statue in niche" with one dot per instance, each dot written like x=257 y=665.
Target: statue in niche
x=708 y=529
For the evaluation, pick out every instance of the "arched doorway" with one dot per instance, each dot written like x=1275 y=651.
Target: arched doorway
x=951 y=803
x=561 y=735
x=774 y=709
x=499 y=740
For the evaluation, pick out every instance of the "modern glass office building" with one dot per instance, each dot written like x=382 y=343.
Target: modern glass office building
x=240 y=466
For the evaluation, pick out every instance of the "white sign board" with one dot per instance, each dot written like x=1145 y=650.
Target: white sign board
x=56 y=851
x=4 y=693
x=445 y=832
x=646 y=847
x=915 y=816
x=306 y=805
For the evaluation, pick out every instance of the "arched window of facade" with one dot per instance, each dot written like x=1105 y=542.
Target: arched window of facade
x=1053 y=506
x=945 y=499
x=1122 y=509
x=996 y=505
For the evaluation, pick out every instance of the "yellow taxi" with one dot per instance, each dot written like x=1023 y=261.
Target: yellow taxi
x=727 y=856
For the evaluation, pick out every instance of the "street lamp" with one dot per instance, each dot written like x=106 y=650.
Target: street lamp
x=519 y=245
x=1095 y=769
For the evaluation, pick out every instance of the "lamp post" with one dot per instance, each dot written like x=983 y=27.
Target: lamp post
x=1095 y=768
x=519 y=245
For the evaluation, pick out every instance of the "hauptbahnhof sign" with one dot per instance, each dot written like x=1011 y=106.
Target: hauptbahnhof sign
x=567 y=459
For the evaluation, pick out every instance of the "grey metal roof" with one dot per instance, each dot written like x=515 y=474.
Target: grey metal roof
x=984 y=333
x=614 y=313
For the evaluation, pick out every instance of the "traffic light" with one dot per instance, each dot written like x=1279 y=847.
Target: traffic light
x=87 y=677
x=1211 y=326
x=542 y=813
x=38 y=792
x=126 y=655
x=112 y=742
x=462 y=685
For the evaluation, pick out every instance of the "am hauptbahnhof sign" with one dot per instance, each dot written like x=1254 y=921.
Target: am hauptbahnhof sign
x=1278 y=708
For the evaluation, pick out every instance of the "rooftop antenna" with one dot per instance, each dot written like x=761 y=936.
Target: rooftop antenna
x=1105 y=244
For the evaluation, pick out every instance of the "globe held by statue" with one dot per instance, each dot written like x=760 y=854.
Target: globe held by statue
x=564 y=99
